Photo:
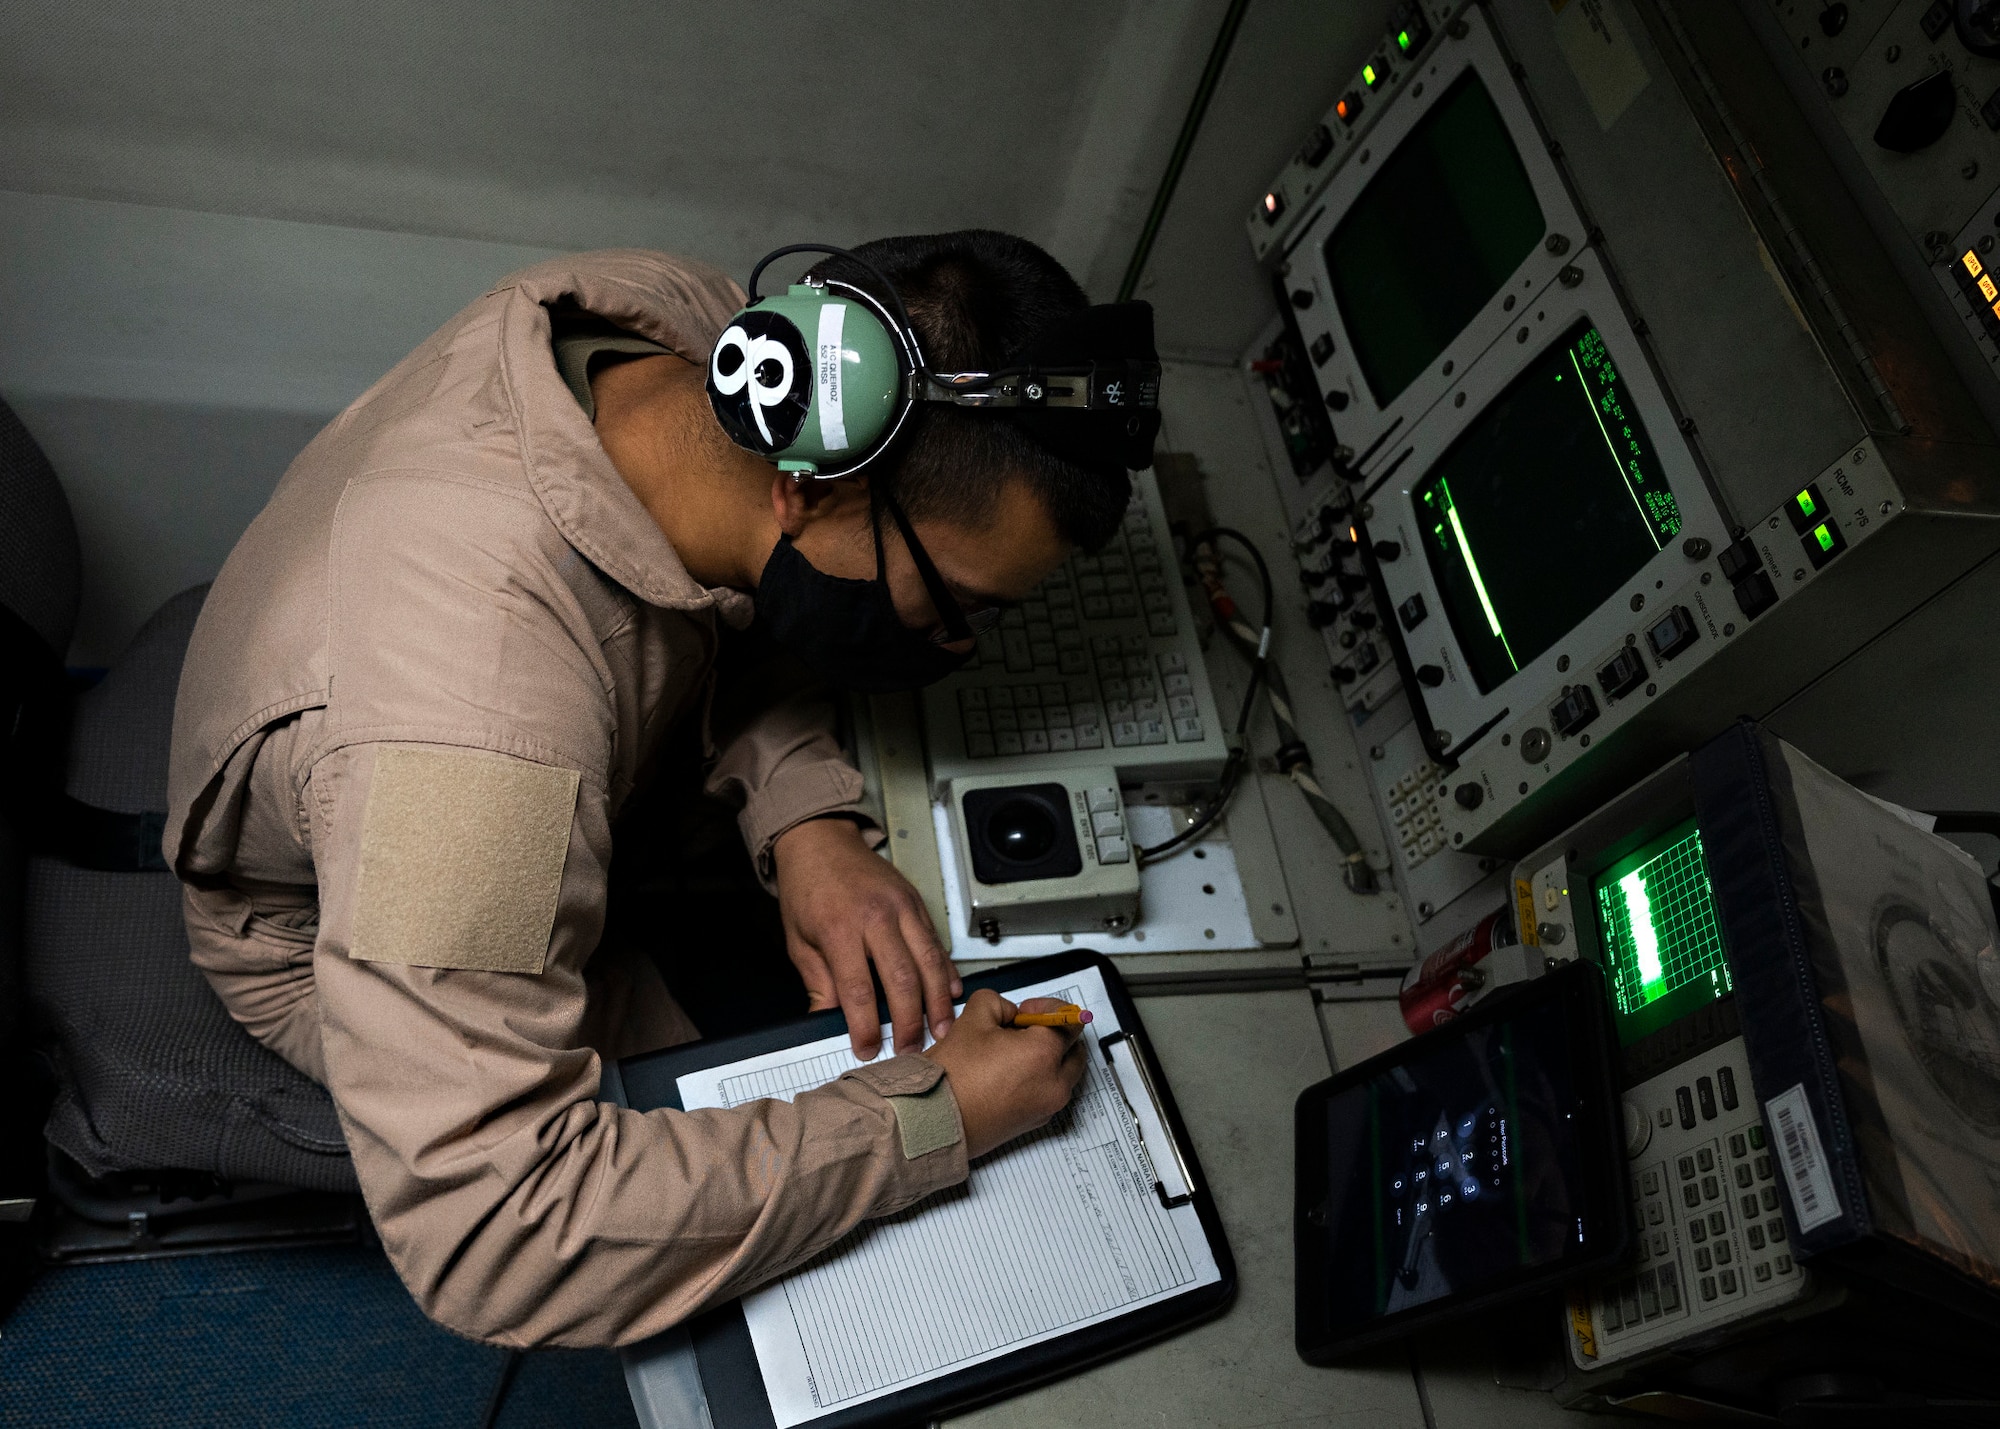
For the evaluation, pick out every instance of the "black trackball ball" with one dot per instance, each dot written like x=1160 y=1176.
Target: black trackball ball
x=1021 y=831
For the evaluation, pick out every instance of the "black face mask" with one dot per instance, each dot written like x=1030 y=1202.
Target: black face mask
x=847 y=631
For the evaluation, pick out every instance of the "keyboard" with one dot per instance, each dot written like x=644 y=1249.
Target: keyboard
x=1101 y=665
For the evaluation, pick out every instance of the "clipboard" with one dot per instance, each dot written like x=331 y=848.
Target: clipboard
x=705 y=1373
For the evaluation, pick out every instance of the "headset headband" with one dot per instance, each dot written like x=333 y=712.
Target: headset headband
x=764 y=374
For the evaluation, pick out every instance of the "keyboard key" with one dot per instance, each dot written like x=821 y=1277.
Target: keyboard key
x=1156 y=603
x=1104 y=646
x=1030 y=719
x=1148 y=709
x=1725 y=1081
x=1754 y=1237
x=1088 y=586
x=1044 y=652
x=1704 y=1091
x=1008 y=743
x=1179 y=683
x=1113 y=850
x=1761 y=1270
x=989 y=648
x=1034 y=741
x=1173 y=663
x=1775 y=1230
x=1108 y=821
x=1116 y=710
x=1116 y=689
x=1124 y=733
x=1757 y=1137
x=1013 y=619
x=1061 y=598
x=1708 y=1287
x=1736 y=1146
x=1187 y=730
x=1089 y=736
x=1027 y=696
x=977 y=722
x=1718 y=1223
x=1769 y=1196
x=1749 y=1205
x=1062 y=741
x=1101 y=799
x=1742 y=1174
x=1705 y=1159
x=1723 y=1253
x=1161 y=624
x=1057 y=712
x=1782 y=1264
x=1763 y=1168
x=1000 y=697
x=1656 y=1214
x=1069 y=639
x=1020 y=657
x=1096 y=607
x=1052 y=693
x=972 y=698
x=1086 y=710
x=1152 y=731
x=1649 y=1294
x=1711 y=1189
x=1117 y=584
x=1124 y=607
x=1007 y=721
x=1670 y=1289
x=1728 y=1279
x=1035 y=610
x=1072 y=662
x=1608 y=1316
x=1704 y=1259
x=979 y=746
x=1686 y=1167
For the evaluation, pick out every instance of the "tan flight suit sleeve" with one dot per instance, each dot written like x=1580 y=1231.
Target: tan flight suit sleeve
x=777 y=755
x=516 y=1206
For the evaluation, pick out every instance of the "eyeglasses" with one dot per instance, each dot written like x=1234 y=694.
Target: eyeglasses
x=958 y=623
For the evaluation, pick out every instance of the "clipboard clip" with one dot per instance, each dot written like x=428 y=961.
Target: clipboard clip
x=1149 y=1118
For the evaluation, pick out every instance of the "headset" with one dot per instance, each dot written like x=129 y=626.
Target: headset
x=821 y=379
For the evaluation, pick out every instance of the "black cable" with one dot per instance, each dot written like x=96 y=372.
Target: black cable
x=1293 y=757
x=1232 y=767
x=1204 y=91
x=509 y=1367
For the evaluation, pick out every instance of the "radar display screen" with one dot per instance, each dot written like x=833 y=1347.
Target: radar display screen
x=1436 y=233
x=1550 y=501
x=1662 y=945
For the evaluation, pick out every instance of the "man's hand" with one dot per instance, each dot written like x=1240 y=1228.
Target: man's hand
x=845 y=907
x=1008 y=1080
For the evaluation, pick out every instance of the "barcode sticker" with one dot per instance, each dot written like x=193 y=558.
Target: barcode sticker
x=1814 y=1201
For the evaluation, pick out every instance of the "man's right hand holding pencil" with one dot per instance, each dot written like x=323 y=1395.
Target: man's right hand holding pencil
x=1009 y=1078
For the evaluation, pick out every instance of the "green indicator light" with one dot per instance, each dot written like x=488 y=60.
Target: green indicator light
x=1824 y=537
x=1403 y=40
x=1807 y=506
x=1368 y=75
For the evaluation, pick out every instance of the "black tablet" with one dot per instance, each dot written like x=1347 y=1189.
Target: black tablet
x=1480 y=1161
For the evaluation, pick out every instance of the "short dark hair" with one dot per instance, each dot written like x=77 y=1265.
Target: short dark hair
x=977 y=297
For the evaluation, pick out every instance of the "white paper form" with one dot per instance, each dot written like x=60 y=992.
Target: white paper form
x=1057 y=1230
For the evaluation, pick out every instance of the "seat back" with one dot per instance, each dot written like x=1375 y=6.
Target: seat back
x=152 y=1070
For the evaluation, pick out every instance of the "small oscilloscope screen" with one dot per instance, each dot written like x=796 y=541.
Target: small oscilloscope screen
x=1663 y=948
x=1437 y=232
x=1550 y=501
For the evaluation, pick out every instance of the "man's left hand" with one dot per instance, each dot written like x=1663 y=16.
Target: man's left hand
x=846 y=907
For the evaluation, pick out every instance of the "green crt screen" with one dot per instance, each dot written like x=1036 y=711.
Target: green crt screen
x=1434 y=236
x=1663 y=948
x=1550 y=501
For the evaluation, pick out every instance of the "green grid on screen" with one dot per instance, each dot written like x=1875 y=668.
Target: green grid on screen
x=1659 y=923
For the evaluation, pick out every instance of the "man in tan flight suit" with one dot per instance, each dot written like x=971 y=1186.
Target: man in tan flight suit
x=422 y=686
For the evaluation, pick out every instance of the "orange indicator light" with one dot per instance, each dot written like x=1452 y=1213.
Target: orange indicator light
x=1986 y=288
x=1972 y=263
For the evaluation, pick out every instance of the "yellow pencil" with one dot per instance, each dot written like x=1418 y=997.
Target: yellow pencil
x=1069 y=1015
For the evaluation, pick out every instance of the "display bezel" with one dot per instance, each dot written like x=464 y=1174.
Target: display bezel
x=1455 y=712
x=1578 y=989
x=1362 y=424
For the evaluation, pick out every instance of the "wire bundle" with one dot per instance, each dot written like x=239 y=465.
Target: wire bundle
x=1294 y=759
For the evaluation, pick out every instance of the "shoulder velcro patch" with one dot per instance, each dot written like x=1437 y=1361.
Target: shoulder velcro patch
x=461 y=860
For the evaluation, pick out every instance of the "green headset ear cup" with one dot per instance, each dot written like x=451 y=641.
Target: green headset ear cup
x=806 y=376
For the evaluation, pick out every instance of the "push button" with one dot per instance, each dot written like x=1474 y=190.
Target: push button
x=1704 y=1091
x=1807 y=509
x=1672 y=634
x=1412 y=612
x=1823 y=543
x=1624 y=673
x=1574 y=710
x=1725 y=1082
x=1738 y=559
x=1755 y=594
